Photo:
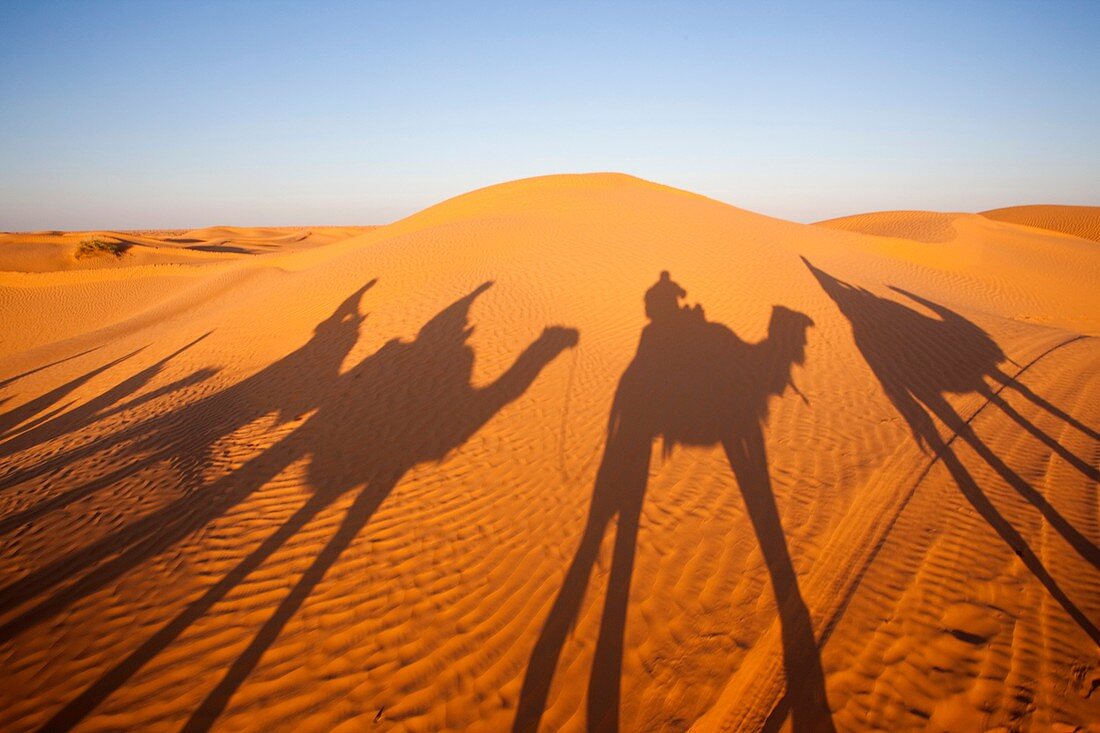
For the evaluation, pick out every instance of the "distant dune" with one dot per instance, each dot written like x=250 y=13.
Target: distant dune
x=53 y=251
x=487 y=469
x=920 y=226
x=1077 y=221
x=931 y=226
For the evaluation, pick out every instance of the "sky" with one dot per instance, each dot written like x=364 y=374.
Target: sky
x=154 y=114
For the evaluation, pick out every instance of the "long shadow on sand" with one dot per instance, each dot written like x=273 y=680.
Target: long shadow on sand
x=61 y=421
x=16 y=377
x=44 y=407
x=183 y=439
x=691 y=382
x=918 y=359
x=408 y=403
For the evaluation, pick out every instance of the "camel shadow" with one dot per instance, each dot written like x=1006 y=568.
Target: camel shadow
x=408 y=403
x=918 y=359
x=182 y=438
x=691 y=382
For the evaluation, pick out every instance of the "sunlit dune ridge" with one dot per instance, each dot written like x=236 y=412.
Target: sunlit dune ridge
x=1076 y=221
x=52 y=251
x=542 y=457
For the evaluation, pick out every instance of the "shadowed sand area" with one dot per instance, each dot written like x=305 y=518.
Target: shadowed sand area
x=568 y=453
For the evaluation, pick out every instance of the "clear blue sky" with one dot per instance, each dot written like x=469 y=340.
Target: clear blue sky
x=158 y=114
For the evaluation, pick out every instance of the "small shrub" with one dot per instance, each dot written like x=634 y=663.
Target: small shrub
x=96 y=246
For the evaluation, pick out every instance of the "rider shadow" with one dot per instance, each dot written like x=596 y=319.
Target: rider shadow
x=410 y=402
x=691 y=382
x=918 y=359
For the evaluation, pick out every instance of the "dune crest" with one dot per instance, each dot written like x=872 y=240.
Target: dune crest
x=1077 y=221
x=486 y=468
x=57 y=251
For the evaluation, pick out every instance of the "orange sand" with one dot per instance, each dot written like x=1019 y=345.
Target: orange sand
x=479 y=470
x=1076 y=221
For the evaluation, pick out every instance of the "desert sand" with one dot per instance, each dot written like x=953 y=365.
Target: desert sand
x=487 y=468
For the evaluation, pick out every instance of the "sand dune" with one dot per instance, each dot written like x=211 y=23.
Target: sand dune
x=920 y=226
x=54 y=251
x=486 y=469
x=1082 y=222
x=1077 y=221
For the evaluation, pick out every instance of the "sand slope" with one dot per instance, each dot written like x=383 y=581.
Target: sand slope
x=1077 y=221
x=474 y=471
x=54 y=251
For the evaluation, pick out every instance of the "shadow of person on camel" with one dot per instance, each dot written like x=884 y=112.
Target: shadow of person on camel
x=692 y=382
x=411 y=402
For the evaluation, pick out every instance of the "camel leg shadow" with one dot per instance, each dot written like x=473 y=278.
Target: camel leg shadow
x=805 y=699
x=357 y=517
x=620 y=488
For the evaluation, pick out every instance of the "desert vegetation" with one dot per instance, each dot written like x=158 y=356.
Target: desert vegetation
x=97 y=246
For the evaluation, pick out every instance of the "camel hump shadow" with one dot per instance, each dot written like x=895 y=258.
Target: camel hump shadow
x=696 y=382
x=975 y=353
x=944 y=351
